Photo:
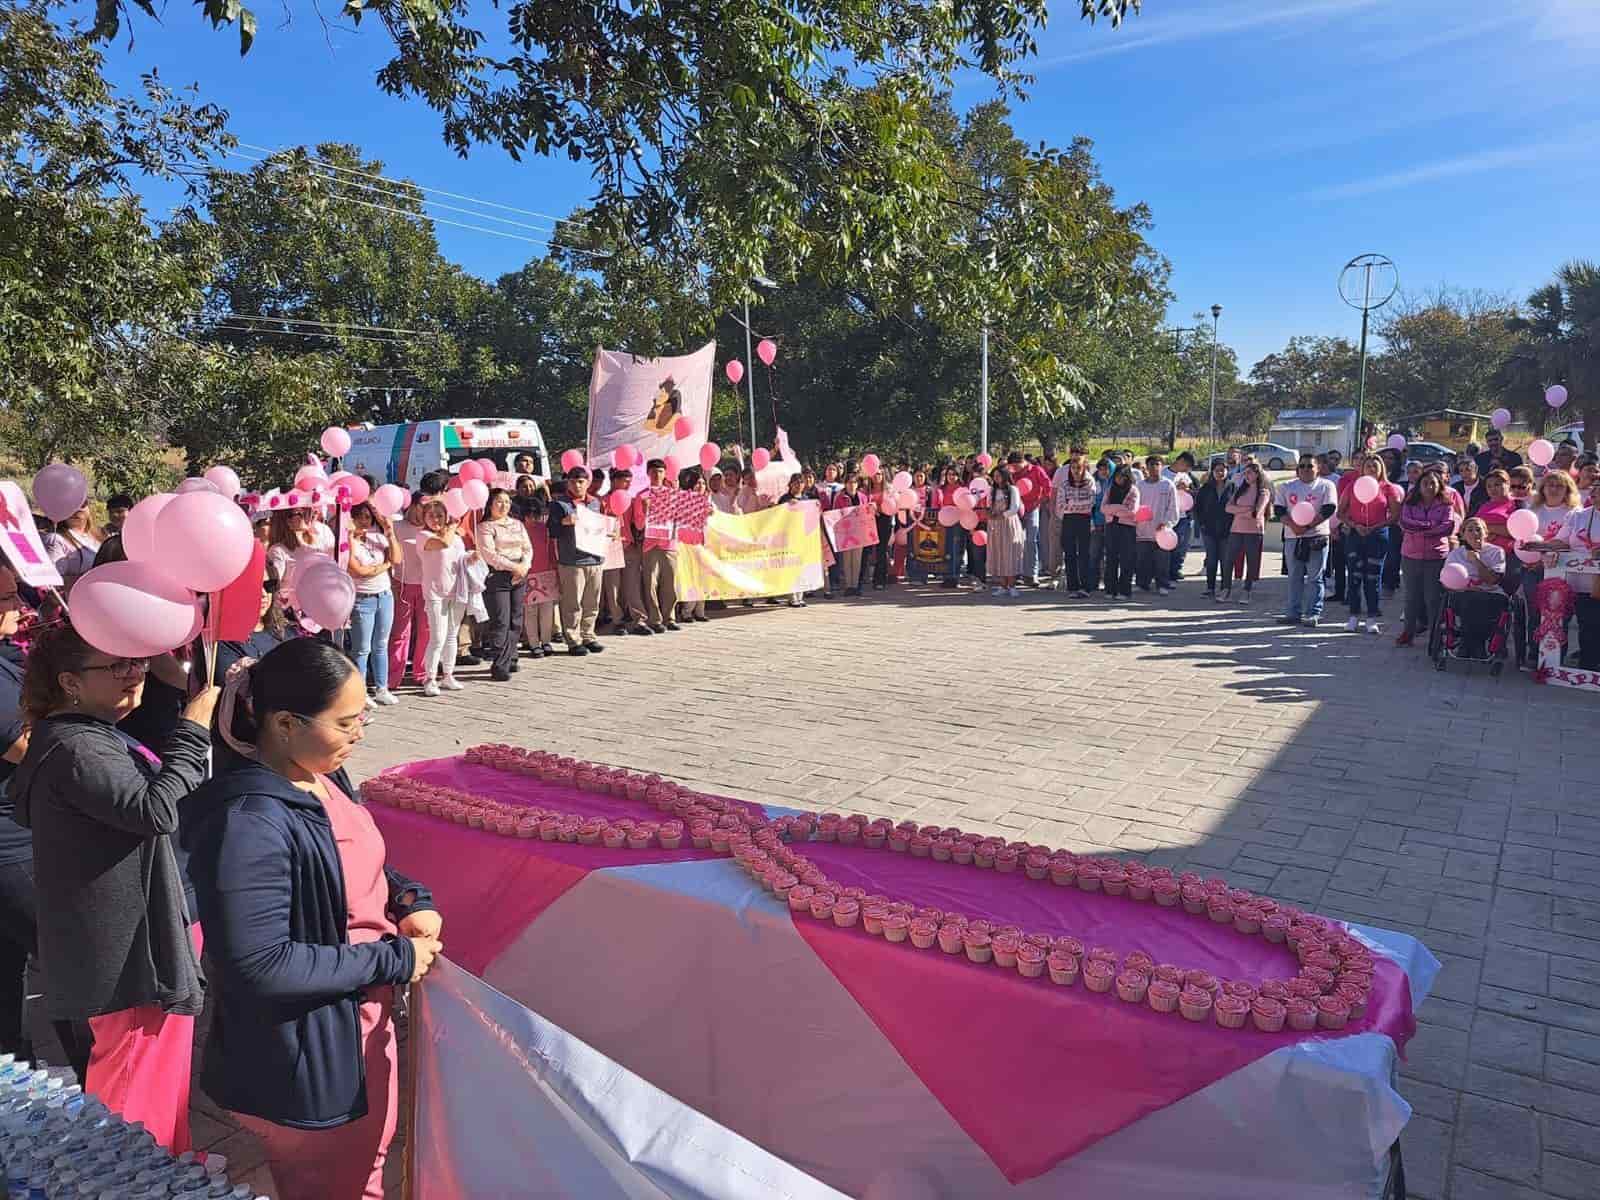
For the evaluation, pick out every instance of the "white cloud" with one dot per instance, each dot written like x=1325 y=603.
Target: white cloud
x=1570 y=21
x=1464 y=164
x=1158 y=27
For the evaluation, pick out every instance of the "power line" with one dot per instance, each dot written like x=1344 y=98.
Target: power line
x=236 y=316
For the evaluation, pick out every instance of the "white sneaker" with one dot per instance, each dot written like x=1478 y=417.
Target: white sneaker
x=430 y=688
x=372 y=702
x=385 y=696
x=1013 y=593
x=1353 y=625
x=1374 y=628
x=997 y=591
x=451 y=684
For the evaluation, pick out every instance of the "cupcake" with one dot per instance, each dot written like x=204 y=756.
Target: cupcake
x=1275 y=927
x=1165 y=892
x=1063 y=872
x=1332 y=1012
x=640 y=837
x=1036 y=865
x=800 y=897
x=1139 y=961
x=1132 y=986
x=549 y=829
x=1114 y=881
x=982 y=926
x=943 y=848
x=983 y=856
x=1267 y=1014
x=921 y=846
x=1162 y=995
x=1220 y=910
x=1098 y=975
x=1302 y=1013
x=1005 y=948
x=671 y=835
x=589 y=831
x=1194 y=1005
x=1068 y=945
x=1063 y=968
x=977 y=945
x=1203 y=981
x=849 y=834
x=923 y=932
x=1247 y=919
x=1194 y=898
x=873 y=838
x=1230 y=1012
x=1355 y=997
x=962 y=853
x=1088 y=877
x=899 y=841
x=1102 y=954
x=1275 y=989
x=1005 y=861
x=950 y=938
x=1030 y=960
x=719 y=839
x=571 y=830
x=1170 y=973
x=895 y=927
x=873 y=917
x=1239 y=988
x=821 y=905
x=846 y=912
x=1140 y=887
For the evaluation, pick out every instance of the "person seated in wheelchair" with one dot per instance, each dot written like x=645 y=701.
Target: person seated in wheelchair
x=1479 y=606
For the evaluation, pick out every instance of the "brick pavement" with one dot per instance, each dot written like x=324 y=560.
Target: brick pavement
x=1322 y=767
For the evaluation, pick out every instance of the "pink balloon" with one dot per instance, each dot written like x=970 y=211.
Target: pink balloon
x=1522 y=524
x=905 y=501
x=970 y=520
x=207 y=538
x=1555 y=395
x=710 y=455
x=617 y=502
x=886 y=504
x=1366 y=489
x=475 y=492
x=1144 y=514
x=1540 y=452
x=1530 y=554
x=949 y=515
x=902 y=480
x=767 y=350
x=761 y=458
x=455 y=503
x=572 y=458
x=60 y=490
x=197 y=483
x=963 y=498
x=357 y=488
x=133 y=609
x=391 y=499
x=324 y=591
x=986 y=460
x=1303 y=513
x=1166 y=539
x=673 y=466
x=624 y=458
x=1454 y=577
x=468 y=471
x=139 y=530
x=225 y=480
x=980 y=538
x=683 y=429
x=1397 y=441
x=735 y=370
x=1024 y=487
x=335 y=442
x=870 y=464
x=1185 y=501
x=1500 y=418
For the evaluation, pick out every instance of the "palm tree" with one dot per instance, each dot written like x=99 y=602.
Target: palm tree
x=1560 y=343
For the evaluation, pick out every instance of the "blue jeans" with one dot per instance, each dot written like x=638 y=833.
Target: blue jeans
x=370 y=620
x=1306 y=586
x=954 y=552
x=1030 y=545
x=1363 y=561
x=1214 y=544
x=1185 y=531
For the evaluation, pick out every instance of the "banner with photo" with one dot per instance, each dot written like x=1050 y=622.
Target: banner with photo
x=774 y=552
x=637 y=402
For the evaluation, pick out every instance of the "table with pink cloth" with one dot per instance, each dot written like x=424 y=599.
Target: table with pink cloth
x=884 y=1071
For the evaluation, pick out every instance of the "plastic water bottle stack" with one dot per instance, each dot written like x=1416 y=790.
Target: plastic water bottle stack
x=58 y=1144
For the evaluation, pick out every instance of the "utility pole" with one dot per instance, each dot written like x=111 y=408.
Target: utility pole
x=1388 y=280
x=1216 y=315
x=983 y=393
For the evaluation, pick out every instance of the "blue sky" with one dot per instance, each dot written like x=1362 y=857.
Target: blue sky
x=1272 y=139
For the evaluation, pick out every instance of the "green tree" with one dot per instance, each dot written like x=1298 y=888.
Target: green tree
x=1558 y=341
x=88 y=286
x=1310 y=372
x=1443 y=350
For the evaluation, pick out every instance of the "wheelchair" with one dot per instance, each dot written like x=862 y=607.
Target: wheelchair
x=1485 y=627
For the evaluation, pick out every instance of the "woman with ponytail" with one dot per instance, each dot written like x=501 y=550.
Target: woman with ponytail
x=308 y=931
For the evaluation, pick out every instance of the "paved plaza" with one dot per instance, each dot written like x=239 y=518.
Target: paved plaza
x=1320 y=767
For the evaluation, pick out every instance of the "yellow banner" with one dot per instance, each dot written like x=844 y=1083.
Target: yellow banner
x=774 y=552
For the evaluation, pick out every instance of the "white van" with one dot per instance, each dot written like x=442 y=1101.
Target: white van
x=403 y=454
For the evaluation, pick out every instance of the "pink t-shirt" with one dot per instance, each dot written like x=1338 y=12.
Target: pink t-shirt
x=1495 y=512
x=1374 y=511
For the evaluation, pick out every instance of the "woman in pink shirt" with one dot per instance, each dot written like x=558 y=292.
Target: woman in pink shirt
x=1427 y=523
x=1366 y=540
x=1242 y=558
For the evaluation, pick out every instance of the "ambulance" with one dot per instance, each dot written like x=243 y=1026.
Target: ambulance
x=403 y=454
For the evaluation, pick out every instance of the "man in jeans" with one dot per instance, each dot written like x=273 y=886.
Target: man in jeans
x=581 y=573
x=1305 y=546
x=1035 y=495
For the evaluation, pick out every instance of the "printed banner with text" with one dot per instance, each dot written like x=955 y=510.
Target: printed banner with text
x=774 y=552
x=637 y=402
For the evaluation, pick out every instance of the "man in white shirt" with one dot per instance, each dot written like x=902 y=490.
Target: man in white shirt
x=1305 y=545
x=1152 y=564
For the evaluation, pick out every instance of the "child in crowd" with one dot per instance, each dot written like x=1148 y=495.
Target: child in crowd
x=794 y=495
x=539 y=615
x=849 y=560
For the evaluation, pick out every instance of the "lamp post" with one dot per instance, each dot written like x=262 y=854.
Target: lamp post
x=1359 y=289
x=1216 y=315
x=749 y=361
x=983 y=392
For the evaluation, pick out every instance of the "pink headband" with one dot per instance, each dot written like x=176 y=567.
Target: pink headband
x=236 y=681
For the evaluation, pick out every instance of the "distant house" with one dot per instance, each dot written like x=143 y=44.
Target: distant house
x=1448 y=426
x=1316 y=430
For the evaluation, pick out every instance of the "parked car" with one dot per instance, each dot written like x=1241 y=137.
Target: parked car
x=1271 y=455
x=1426 y=452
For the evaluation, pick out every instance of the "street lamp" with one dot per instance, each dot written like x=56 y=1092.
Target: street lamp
x=1366 y=295
x=1216 y=315
x=760 y=281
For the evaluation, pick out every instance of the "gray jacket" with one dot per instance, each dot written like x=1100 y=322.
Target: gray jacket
x=113 y=930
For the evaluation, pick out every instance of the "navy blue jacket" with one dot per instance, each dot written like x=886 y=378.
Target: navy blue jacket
x=285 y=1043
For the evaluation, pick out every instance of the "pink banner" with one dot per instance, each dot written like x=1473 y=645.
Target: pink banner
x=638 y=401
x=19 y=538
x=852 y=528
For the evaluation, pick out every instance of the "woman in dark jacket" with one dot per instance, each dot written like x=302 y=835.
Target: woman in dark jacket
x=1214 y=521
x=122 y=975
x=307 y=929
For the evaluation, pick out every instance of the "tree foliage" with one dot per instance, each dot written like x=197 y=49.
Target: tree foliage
x=1558 y=341
x=1442 y=350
